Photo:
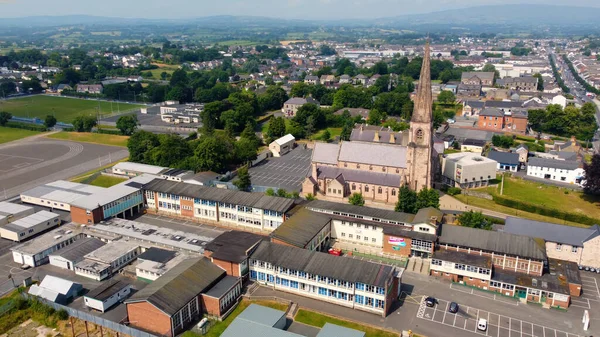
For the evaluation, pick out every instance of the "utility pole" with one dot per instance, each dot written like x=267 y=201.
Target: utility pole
x=502 y=185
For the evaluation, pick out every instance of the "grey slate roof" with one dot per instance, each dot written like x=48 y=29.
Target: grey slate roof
x=174 y=289
x=384 y=214
x=373 y=154
x=233 y=246
x=317 y=263
x=301 y=227
x=480 y=74
x=106 y=289
x=574 y=236
x=475 y=104
x=498 y=242
x=494 y=112
x=325 y=153
x=473 y=142
x=366 y=177
x=503 y=104
x=553 y=163
x=78 y=249
x=256 y=200
x=504 y=157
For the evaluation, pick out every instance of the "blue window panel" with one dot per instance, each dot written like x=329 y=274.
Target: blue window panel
x=270 y=278
x=285 y=282
x=261 y=276
x=253 y=275
x=360 y=286
x=381 y=291
x=278 y=280
x=294 y=284
x=322 y=291
x=359 y=299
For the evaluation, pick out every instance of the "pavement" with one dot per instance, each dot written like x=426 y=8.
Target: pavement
x=36 y=161
x=507 y=316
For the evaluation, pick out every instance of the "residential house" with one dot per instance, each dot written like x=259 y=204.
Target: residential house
x=527 y=83
x=90 y=88
x=566 y=171
x=507 y=161
x=360 y=79
x=473 y=145
x=491 y=119
x=523 y=151
x=516 y=121
x=291 y=106
x=345 y=79
x=469 y=90
x=472 y=108
x=310 y=79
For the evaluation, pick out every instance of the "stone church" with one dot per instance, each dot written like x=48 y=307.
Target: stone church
x=378 y=169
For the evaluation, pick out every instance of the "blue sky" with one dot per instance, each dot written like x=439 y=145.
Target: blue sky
x=308 y=9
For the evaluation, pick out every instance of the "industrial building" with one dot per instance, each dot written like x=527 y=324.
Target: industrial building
x=107 y=295
x=107 y=260
x=24 y=228
x=59 y=194
x=10 y=211
x=67 y=258
x=351 y=283
x=170 y=304
x=36 y=251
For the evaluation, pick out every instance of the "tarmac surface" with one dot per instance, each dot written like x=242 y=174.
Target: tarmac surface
x=35 y=161
x=287 y=171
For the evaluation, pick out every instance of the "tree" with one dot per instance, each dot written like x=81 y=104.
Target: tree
x=356 y=199
x=346 y=131
x=282 y=193
x=310 y=197
x=592 y=176
x=211 y=116
x=213 y=153
x=407 y=201
x=326 y=136
x=503 y=141
x=163 y=75
x=428 y=197
x=310 y=126
x=4 y=117
x=127 y=124
x=446 y=96
x=84 y=123
x=179 y=78
x=376 y=117
x=474 y=220
x=270 y=192
x=276 y=128
x=540 y=84
x=245 y=150
x=243 y=182
x=50 y=121
x=140 y=144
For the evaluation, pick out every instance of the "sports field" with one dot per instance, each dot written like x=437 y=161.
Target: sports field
x=65 y=109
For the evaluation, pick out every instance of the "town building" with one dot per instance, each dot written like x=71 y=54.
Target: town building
x=36 y=251
x=231 y=251
x=26 y=227
x=68 y=257
x=352 y=283
x=105 y=261
x=467 y=170
x=95 y=89
x=507 y=161
x=220 y=206
x=56 y=289
x=566 y=171
x=378 y=134
x=106 y=295
x=282 y=145
x=567 y=243
x=516 y=121
x=291 y=106
x=170 y=304
x=523 y=151
x=485 y=79
x=491 y=119
x=473 y=145
x=526 y=83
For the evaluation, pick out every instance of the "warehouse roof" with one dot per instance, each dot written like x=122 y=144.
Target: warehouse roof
x=10 y=208
x=170 y=292
x=255 y=200
x=569 y=235
x=505 y=243
x=367 y=213
x=61 y=191
x=233 y=246
x=301 y=228
x=346 y=269
x=76 y=251
x=106 y=290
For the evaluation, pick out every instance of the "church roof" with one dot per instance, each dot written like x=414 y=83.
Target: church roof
x=423 y=102
x=373 y=154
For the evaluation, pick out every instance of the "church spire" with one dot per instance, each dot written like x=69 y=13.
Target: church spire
x=423 y=109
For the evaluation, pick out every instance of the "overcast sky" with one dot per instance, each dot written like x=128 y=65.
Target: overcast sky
x=307 y=9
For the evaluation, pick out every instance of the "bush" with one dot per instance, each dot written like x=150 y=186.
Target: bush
x=109 y=131
x=542 y=210
x=453 y=190
x=62 y=315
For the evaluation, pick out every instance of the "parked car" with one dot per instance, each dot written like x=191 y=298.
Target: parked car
x=336 y=252
x=430 y=301
x=453 y=307
x=482 y=324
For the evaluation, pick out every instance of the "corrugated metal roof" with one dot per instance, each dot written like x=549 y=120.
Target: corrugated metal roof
x=10 y=208
x=36 y=219
x=285 y=139
x=170 y=292
x=338 y=267
x=255 y=200
x=137 y=167
x=301 y=228
x=245 y=328
x=261 y=315
x=57 y=284
x=498 y=242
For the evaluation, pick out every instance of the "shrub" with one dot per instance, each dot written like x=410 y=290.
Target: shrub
x=453 y=190
x=62 y=315
x=26 y=126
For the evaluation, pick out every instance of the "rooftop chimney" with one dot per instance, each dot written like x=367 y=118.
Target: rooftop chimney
x=392 y=138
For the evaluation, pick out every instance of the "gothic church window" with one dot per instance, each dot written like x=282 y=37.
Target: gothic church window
x=419 y=135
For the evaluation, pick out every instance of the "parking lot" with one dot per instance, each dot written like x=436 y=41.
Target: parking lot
x=497 y=325
x=590 y=293
x=286 y=172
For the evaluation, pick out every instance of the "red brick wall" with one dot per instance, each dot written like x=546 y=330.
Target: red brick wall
x=279 y=242
x=499 y=123
x=476 y=282
x=389 y=248
x=147 y=317
x=445 y=276
x=210 y=305
x=574 y=289
x=80 y=215
x=232 y=269
x=188 y=203
x=520 y=124
x=391 y=296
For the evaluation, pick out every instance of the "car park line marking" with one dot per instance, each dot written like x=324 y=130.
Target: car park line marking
x=472 y=292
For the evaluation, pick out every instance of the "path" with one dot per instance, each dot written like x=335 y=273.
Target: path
x=448 y=203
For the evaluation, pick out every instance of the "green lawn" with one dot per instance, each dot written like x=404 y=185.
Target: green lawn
x=319 y=320
x=333 y=131
x=242 y=43
x=162 y=67
x=10 y=134
x=86 y=175
x=549 y=196
x=265 y=126
x=217 y=329
x=107 y=181
x=97 y=138
x=65 y=109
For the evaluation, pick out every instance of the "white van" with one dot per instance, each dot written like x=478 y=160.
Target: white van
x=482 y=324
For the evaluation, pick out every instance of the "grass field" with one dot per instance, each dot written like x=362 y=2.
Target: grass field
x=106 y=181
x=82 y=177
x=549 y=196
x=334 y=132
x=65 y=109
x=319 y=320
x=10 y=134
x=96 y=138
x=162 y=67
x=242 y=43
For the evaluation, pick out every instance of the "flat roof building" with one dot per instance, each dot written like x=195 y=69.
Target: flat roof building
x=59 y=194
x=467 y=170
x=107 y=295
x=130 y=169
x=155 y=262
x=36 y=251
x=23 y=228
x=107 y=260
x=10 y=211
x=67 y=258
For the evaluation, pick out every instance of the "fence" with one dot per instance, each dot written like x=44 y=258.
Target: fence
x=38 y=121
x=84 y=316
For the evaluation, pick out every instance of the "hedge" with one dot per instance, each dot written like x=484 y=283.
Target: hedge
x=26 y=126
x=110 y=131
x=542 y=210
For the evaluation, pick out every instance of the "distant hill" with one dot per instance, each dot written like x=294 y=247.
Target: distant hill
x=514 y=15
